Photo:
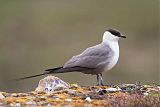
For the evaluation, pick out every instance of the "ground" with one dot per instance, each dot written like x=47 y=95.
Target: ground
x=123 y=95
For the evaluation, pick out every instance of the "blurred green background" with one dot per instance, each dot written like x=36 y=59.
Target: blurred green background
x=40 y=34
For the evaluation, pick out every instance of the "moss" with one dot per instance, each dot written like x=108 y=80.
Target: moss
x=87 y=96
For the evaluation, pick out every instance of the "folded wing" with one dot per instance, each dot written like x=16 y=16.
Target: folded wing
x=91 y=57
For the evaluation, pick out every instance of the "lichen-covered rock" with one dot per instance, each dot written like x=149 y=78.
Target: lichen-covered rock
x=1 y=96
x=50 y=84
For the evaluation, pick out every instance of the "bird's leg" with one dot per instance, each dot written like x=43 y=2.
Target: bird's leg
x=98 y=80
x=101 y=79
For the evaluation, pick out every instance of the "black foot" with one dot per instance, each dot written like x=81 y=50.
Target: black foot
x=101 y=85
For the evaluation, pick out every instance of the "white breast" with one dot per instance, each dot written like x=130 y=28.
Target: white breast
x=114 y=59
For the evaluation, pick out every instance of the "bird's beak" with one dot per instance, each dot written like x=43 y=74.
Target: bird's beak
x=122 y=36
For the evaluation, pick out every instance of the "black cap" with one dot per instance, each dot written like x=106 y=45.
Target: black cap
x=116 y=33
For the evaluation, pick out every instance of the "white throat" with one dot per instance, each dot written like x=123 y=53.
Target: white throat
x=112 y=41
x=107 y=36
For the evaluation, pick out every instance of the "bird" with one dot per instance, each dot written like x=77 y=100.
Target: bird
x=93 y=60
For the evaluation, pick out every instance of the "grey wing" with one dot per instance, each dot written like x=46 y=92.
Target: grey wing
x=91 y=57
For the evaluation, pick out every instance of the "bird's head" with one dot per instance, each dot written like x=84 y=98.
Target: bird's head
x=112 y=35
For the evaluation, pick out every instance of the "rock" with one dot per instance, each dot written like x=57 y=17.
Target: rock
x=113 y=89
x=1 y=96
x=57 y=99
x=30 y=103
x=88 y=99
x=50 y=84
x=145 y=94
x=69 y=100
x=17 y=105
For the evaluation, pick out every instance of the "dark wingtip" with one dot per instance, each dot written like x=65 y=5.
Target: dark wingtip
x=48 y=70
x=53 y=69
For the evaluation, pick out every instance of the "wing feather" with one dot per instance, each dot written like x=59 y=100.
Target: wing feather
x=91 y=57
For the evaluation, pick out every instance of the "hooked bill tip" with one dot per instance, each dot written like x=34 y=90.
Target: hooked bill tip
x=123 y=36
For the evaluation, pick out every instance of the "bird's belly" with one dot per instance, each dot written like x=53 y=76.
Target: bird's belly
x=113 y=61
x=104 y=67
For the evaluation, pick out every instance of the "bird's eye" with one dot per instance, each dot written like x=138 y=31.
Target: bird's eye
x=114 y=32
x=118 y=34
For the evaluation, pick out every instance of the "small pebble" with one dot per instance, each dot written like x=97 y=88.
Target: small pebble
x=31 y=103
x=17 y=105
x=146 y=94
x=1 y=96
x=158 y=88
x=49 y=105
x=70 y=91
x=57 y=99
x=113 y=89
x=14 y=95
x=2 y=104
x=69 y=100
x=88 y=99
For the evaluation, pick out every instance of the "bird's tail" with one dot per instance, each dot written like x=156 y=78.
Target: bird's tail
x=49 y=71
x=57 y=70
x=23 y=78
x=65 y=70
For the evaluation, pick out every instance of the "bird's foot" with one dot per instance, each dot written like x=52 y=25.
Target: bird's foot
x=108 y=85
x=100 y=84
